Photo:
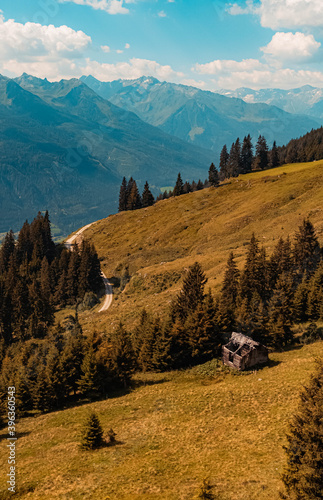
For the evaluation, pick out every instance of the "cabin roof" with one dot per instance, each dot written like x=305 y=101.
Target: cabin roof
x=238 y=339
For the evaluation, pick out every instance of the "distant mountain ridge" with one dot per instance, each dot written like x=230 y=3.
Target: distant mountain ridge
x=306 y=100
x=65 y=149
x=203 y=118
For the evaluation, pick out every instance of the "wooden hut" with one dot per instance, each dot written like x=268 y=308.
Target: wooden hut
x=242 y=352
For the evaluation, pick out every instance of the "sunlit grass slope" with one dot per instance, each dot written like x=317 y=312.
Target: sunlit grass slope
x=174 y=430
x=157 y=243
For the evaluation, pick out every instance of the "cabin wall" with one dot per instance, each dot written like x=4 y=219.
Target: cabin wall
x=252 y=358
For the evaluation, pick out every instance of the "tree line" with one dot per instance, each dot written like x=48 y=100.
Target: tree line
x=130 y=199
x=263 y=301
x=37 y=277
x=47 y=363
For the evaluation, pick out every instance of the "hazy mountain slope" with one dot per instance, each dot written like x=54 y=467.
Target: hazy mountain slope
x=66 y=150
x=203 y=118
x=304 y=100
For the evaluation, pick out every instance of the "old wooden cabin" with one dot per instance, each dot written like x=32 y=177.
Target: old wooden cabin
x=242 y=352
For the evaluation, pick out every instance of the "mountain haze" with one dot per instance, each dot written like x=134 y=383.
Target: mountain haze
x=305 y=100
x=203 y=118
x=65 y=149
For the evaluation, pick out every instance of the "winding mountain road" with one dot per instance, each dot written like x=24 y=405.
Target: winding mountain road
x=108 y=286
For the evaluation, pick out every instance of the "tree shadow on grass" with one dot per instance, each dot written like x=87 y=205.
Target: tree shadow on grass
x=18 y=435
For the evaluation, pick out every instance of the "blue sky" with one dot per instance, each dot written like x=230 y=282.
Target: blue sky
x=209 y=44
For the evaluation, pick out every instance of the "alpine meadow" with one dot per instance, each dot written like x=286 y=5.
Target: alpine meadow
x=161 y=250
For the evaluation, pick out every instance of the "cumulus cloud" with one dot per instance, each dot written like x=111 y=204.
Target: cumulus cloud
x=133 y=69
x=32 y=41
x=40 y=50
x=290 y=47
x=105 y=48
x=110 y=6
x=289 y=14
x=162 y=13
x=127 y=46
x=227 y=66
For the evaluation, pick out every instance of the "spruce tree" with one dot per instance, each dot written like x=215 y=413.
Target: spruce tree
x=88 y=383
x=246 y=155
x=224 y=158
x=122 y=357
x=123 y=195
x=306 y=248
x=147 y=198
x=178 y=189
x=261 y=156
x=192 y=293
x=133 y=199
x=6 y=251
x=303 y=475
x=92 y=435
x=274 y=156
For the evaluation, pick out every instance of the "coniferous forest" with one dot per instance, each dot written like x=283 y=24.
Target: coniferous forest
x=50 y=363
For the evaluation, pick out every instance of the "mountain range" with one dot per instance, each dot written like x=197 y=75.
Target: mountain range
x=305 y=100
x=203 y=118
x=66 y=145
x=65 y=149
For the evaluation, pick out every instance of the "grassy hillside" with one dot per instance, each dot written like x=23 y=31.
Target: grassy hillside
x=174 y=430
x=157 y=243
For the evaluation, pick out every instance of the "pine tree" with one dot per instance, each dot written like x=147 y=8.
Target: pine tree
x=88 y=383
x=123 y=359
x=187 y=188
x=7 y=251
x=234 y=165
x=274 y=157
x=92 y=435
x=306 y=248
x=133 y=199
x=192 y=293
x=281 y=312
x=253 y=278
x=123 y=195
x=224 y=158
x=303 y=475
x=147 y=198
x=300 y=301
x=246 y=155
x=229 y=295
x=178 y=189
x=261 y=157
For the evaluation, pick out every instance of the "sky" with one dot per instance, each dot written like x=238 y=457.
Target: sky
x=207 y=44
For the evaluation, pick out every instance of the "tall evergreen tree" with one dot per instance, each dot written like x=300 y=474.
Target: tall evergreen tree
x=274 y=156
x=192 y=293
x=303 y=475
x=213 y=175
x=147 y=197
x=261 y=156
x=306 y=248
x=123 y=196
x=224 y=158
x=178 y=189
x=133 y=199
x=246 y=155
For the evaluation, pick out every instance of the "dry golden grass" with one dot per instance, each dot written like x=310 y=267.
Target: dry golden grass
x=157 y=243
x=175 y=429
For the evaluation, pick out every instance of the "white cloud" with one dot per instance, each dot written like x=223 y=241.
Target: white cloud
x=32 y=41
x=162 y=14
x=105 y=48
x=44 y=51
x=110 y=6
x=133 y=69
x=127 y=46
x=119 y=51
x=291 y=47
x=227 y=66
x=276 y=14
